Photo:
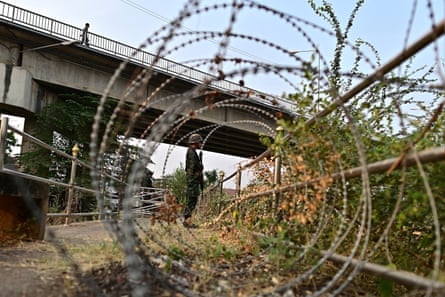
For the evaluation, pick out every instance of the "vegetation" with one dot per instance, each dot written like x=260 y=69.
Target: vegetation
x=11 y=141
x=323 y=204
x=177 y=182
x=63 y=124
x=388 y=215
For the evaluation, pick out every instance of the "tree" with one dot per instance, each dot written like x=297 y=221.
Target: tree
x=210 y=177
x=177 y=183
x=63 y=124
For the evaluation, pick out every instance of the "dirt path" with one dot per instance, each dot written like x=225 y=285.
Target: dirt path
x=26 y=267
x=38 y=269
x=41 y=269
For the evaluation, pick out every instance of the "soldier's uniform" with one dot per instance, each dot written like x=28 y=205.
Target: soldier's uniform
x=194 y=175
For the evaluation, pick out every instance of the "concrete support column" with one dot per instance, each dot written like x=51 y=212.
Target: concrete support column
x=23 y=208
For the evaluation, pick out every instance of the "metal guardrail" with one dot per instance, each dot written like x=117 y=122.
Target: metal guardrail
x=4 y=126
x=56 y=28
x=143 y=200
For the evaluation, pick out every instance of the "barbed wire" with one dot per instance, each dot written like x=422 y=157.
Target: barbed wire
x=328 y=202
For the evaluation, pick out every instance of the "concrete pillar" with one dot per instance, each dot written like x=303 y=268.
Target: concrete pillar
x=23 y=208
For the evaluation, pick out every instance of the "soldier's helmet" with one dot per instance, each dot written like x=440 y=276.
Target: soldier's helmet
x=195 y=138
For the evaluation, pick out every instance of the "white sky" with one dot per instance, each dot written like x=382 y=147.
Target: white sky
x=18 y=123
x=382 y=23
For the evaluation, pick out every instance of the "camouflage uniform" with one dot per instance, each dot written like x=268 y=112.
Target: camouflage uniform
x=195 y=181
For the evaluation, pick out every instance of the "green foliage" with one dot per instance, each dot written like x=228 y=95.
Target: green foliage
x=11 y=141
x=63 y=124
x=177 y=183
x=210 y=177
x=216 y=249
x=176 y=253
x=385 y=287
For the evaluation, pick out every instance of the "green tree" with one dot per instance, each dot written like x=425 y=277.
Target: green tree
x=177 y=183
x=62 y=125
x=210 y=177
x=11 y=141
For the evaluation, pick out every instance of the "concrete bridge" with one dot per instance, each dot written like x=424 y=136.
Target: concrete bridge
x=41 y=58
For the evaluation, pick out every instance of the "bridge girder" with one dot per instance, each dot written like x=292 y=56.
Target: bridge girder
x=226 y=139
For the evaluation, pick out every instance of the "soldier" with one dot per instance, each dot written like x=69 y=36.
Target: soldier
x=148 y=197
x=85 y=39
x=195 y=179
x=148 y=180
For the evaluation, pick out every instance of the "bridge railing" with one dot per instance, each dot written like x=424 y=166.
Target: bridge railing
x=34 y=20
x=56 y=28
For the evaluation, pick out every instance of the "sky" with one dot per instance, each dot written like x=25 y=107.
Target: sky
x=382 y=23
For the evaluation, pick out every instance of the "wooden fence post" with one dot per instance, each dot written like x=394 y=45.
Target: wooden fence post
x=221 y=179
x=277 y=170
x=75 y=151
x=238 y=181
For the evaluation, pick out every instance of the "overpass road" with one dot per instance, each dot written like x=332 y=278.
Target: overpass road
x=38 y=64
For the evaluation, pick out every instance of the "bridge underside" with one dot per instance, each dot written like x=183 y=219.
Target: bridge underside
x=96 y=66
x=224 y=140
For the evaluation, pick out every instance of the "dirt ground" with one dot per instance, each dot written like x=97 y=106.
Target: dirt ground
x=26 y=267
x=34 y=268
x=40 y=269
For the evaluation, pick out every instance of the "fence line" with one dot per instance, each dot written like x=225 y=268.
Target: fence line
x=435 y=33
x=144 y=196
x=429 y=155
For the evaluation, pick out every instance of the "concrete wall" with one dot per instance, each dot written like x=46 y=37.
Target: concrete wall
x=57 y=71
x=16 y=88
x=25 y=80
